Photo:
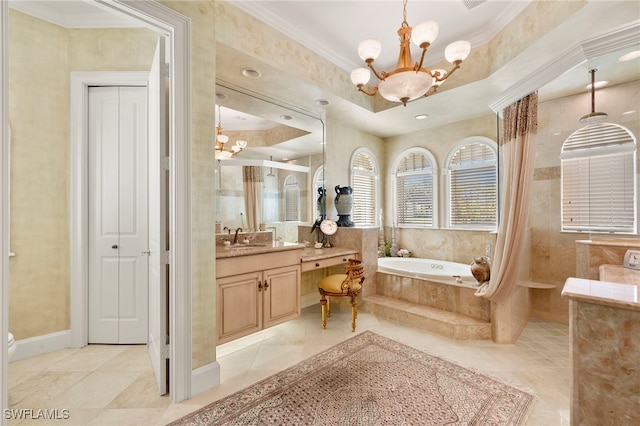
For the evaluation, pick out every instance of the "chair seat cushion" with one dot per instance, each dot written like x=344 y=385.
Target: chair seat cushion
x=333 y=284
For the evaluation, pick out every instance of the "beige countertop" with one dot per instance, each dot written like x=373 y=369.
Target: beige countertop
x=251 y=249
x=613 y=294
x=613 y=242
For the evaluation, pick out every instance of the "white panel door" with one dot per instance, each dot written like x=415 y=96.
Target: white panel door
x=157 y=222
x=118 y=215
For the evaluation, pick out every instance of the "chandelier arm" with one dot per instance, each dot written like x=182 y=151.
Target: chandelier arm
x=456 y=65
x=363 y=89
x=433 y=89
x=379 y=76
x=424 y=46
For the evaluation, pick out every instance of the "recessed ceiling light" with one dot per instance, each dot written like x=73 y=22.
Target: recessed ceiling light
x=633 y=111
x=285 y=159
x=286 y=117
x=251 y=73
x=629 y=56
x=322 y=102
x=422 y=116
x=221 y=97
x=557 y=134
x=598 y=84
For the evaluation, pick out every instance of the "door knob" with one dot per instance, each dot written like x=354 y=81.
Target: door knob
x=115 y=246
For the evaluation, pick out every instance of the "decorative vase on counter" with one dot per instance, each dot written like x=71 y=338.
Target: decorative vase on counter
x=344 y=203
x=481 y=270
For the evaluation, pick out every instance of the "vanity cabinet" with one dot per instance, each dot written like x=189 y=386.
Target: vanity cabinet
x=255 y=300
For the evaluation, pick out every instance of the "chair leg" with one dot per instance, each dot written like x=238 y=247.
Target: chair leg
x=328 y=306
x=323 y=304
x=354 y=312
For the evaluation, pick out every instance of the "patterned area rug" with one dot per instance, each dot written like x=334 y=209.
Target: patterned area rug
x=370 y=380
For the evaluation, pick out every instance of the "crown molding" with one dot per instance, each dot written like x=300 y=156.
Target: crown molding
x=622 y=37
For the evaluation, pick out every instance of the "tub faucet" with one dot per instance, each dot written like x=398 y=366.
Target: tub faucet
x=235 y=238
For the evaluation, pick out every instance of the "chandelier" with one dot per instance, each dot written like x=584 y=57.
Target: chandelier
x=221 y=139
x=408 y=81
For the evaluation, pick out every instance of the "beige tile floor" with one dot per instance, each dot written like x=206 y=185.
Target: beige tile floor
x=114 y=385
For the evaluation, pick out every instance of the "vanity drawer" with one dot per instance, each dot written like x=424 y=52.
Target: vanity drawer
x=324 y=263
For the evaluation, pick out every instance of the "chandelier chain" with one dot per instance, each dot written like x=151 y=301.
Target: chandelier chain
x=404 y=14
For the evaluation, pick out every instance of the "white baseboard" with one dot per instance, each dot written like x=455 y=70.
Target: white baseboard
x=38 y=345
x=205 y=378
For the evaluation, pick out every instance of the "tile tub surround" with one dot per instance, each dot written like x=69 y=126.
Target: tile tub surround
x=605 y=342
x=590 y=254
x=449 y=310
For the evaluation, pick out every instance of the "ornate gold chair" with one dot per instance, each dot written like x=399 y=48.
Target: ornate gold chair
x=342 y=285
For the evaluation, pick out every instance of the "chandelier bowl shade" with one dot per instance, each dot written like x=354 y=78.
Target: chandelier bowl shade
x=409 y=80
x=405 y=86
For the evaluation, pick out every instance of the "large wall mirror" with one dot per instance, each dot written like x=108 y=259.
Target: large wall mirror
x=271 y=184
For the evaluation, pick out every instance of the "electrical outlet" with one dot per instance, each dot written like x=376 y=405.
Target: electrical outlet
x=632 y=259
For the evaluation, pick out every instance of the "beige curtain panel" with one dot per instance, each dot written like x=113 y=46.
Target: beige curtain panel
x=252 y=184
x=520 y=126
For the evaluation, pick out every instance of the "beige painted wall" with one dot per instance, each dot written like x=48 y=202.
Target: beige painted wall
x=38 y=113
x=41 y=57
x=203 y=77
x=341 y=142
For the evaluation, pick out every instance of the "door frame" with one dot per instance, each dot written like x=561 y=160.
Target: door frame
x=177 y=28
x=79 y=190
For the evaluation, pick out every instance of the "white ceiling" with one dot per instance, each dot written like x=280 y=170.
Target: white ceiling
x=333 y=29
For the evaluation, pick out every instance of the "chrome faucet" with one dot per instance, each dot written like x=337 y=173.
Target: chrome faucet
x=235 y=238
x=226 y=228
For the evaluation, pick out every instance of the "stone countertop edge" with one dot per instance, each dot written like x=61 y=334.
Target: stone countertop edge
x=238 y=250
x=612 y=294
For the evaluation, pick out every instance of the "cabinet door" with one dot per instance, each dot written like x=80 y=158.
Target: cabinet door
x=239 y=308
x=281 y=295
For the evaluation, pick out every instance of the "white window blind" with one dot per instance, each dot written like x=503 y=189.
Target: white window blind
x=291 y=199
x=473 y=187
x=598 y=174
x=364 y=184
x=414 y=178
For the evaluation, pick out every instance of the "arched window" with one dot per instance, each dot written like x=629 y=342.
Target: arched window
x=291 y=199
x=364 y=181
x=415 y=178
x=598 y=175
x=472 y=184
x=318 y=182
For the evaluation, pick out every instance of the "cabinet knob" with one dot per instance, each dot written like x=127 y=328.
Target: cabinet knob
x=259 y=285
x=317 y=265
x=266 y=285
